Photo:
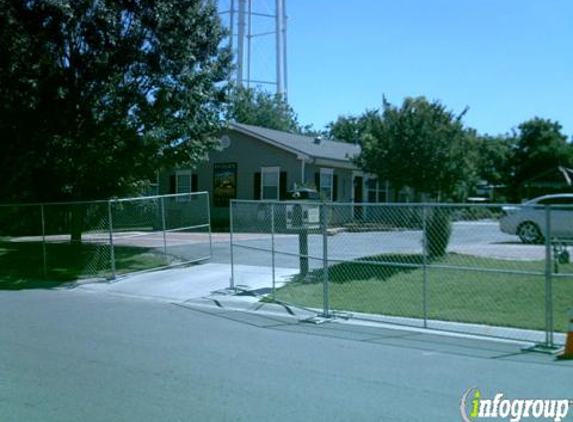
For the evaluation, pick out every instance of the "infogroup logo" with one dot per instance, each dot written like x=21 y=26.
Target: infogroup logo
x=474 y=407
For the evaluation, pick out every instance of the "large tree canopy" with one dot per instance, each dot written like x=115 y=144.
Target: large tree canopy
x=97 y=95
x=538 y=147
x=421 y=145
x=254 y=106
x=352 y=128
x=493 y=155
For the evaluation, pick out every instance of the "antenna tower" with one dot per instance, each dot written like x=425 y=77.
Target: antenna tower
x=257 y=33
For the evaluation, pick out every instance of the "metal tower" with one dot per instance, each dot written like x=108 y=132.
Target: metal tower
x=257 y=35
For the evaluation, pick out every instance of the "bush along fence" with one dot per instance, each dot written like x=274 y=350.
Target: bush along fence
x=102 y=239
x=439 y=266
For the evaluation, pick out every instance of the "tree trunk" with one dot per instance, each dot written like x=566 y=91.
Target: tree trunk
x=396 y=192
x=77 y=224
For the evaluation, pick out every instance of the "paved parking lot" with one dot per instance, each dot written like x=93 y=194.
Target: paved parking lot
x=483 y=239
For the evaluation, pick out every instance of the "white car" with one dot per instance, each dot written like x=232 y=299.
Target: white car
x=529 y=220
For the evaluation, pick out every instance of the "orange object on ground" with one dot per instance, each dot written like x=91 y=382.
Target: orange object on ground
x=568 y=352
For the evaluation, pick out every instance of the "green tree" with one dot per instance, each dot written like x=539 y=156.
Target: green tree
x=253 y=106
x=421 y=145
x=539 y=146
x=353 y=128
x=493 y=158
x=99 y=95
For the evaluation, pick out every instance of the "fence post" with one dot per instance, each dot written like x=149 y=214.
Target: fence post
x=209 y=224
x=232 y=280
x=273 y=248
x=302 y=230
x=163 y=227
x=548 y=281
x=44 y=254
x=425 y=265
x=112 y=251
x=324 y=218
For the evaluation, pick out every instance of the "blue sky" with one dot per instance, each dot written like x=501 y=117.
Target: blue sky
x=508 y=60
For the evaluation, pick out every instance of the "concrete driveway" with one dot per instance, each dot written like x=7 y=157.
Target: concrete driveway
x=196 y=281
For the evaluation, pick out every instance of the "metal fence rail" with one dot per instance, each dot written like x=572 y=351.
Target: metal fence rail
x=103 y=239
x=440 y=266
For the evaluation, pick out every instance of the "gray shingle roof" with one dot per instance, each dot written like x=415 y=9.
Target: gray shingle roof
x=326 y=149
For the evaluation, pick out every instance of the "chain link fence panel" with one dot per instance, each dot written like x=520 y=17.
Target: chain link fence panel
x=22 y=252
x=373 y=260
x=102 y=239
x=252 y=234
x=76 y=240
x=462 y=268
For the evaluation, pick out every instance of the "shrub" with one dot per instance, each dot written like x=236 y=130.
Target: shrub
x=438 y=231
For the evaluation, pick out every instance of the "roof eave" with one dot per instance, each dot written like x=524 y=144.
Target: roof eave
x=332 y=162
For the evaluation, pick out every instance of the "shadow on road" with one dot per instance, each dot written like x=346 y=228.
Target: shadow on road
x=427 y=343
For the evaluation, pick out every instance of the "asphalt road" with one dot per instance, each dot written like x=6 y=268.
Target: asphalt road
x=79 y=356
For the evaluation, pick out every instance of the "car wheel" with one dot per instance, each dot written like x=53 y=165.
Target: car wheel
x=529 y=233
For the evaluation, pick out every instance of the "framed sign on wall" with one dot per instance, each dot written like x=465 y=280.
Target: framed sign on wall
x=224 y=183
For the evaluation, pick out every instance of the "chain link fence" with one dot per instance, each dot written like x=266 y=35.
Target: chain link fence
x=103 y=239
x=491 y=270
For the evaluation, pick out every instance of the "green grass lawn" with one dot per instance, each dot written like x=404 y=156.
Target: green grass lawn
x=22 y=263
x=511 y=300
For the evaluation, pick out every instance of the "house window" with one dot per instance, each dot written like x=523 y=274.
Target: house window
x=270 y=183
x=376 y=191
x=258 y=185
x=183 y=181
x=326 y=187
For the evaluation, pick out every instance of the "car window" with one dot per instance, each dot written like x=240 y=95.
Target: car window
x=562 y=200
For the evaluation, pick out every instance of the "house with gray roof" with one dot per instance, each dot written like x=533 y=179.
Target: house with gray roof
x=256 y=163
